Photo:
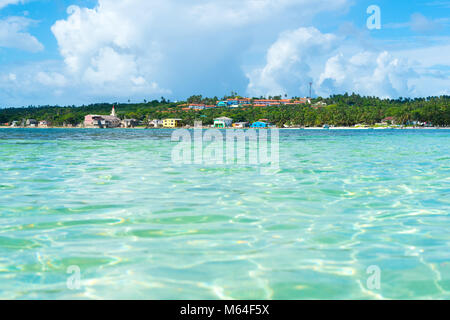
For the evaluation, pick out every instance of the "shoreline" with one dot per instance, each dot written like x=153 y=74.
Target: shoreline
x=205 y=128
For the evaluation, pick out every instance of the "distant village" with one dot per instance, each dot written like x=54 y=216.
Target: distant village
x=113 y=121
x=246 y=102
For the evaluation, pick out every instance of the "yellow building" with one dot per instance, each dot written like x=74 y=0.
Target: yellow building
x=171 y=123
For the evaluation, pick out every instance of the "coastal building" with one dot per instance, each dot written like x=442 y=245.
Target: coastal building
x=197 y=106
x=319 y=104
x=223 y=122
x=240 y=125
x=388 y=121
x=129 y=123
x=92 y=120
x=15 y=124
x=155 y=123
x=259 y=124
x=302 y=101
x=171 y=123
x=234 y=103
x=262 y=124
x=43 y=124
x=419 y=123
x=31 y=123
x=101 y=121
x=281 y=102
x=110 y=122
x=239 y=101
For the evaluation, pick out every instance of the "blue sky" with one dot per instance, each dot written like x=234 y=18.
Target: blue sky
x=84 y=51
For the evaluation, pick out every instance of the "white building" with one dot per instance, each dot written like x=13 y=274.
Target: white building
x=223 y=122
x=155 y=123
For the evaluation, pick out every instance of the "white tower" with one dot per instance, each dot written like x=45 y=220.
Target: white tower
x=113 y=112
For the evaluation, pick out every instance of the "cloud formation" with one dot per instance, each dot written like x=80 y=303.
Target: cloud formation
x=338 y=64
x=13 y=35
x=106 y=49
x=366 y=73
x=289 y=62
x=152 y=47
x=144 y=49
x=306 y=54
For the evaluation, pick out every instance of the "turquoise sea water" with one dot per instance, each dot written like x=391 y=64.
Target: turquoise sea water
x=112 y=203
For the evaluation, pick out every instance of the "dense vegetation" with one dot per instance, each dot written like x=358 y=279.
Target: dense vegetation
x=341 y=110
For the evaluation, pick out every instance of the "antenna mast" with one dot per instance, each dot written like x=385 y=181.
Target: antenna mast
x=310 y=90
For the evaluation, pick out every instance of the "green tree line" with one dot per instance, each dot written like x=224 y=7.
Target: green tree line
x=341 y=110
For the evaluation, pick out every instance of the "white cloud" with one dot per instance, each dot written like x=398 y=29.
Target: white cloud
x=4 y=3
x=338 y=65
x=288 y=62
x=366 y=73
x=152 y=47
x=13 y=35
x=110 y=48
x=53 y=79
